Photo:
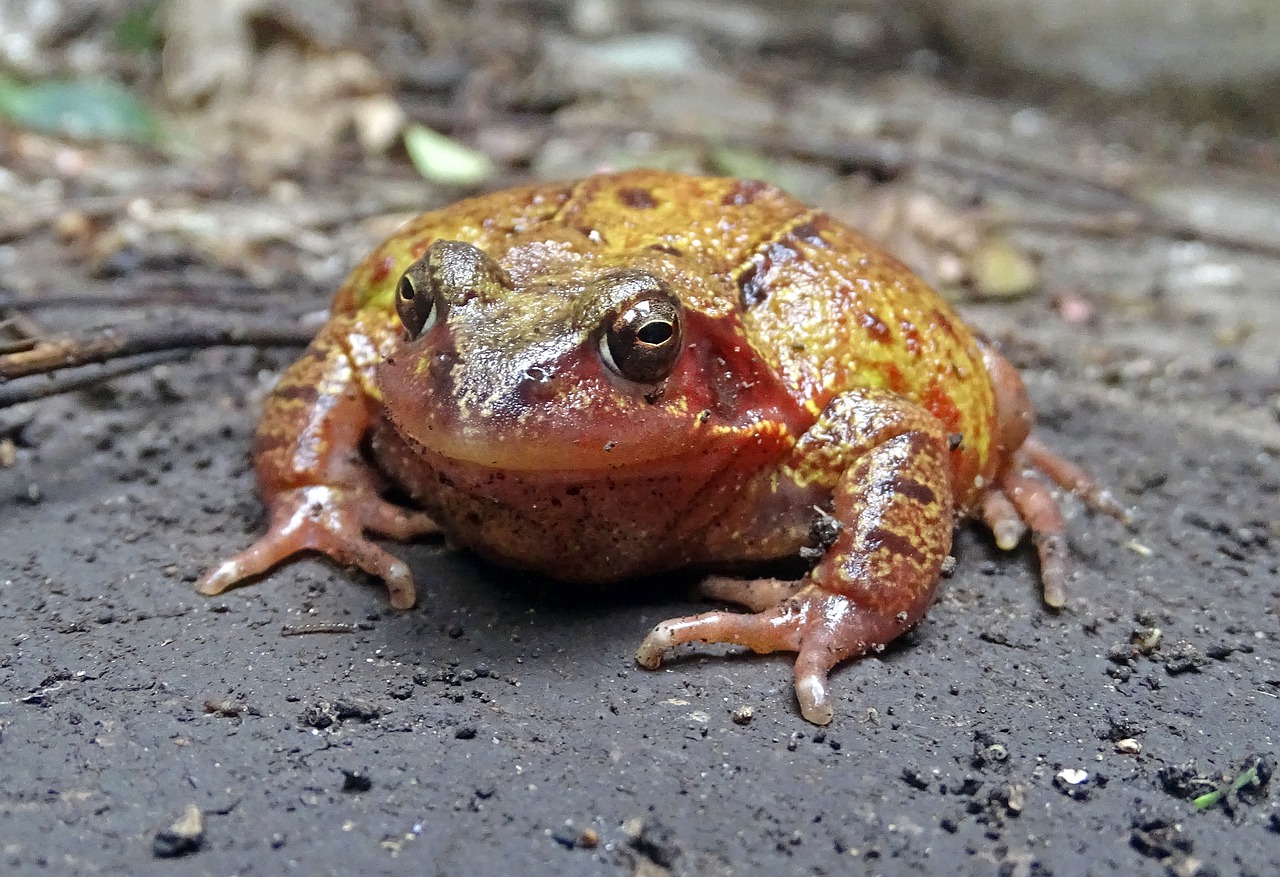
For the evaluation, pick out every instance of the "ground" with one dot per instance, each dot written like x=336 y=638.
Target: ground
x=502 y=726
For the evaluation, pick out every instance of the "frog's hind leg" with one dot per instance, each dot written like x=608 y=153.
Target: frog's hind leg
x=1022 y=453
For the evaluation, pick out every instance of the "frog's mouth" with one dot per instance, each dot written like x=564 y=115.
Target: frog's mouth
x=556 y=406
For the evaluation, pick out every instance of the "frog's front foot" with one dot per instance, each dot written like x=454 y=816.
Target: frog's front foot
x=332 y=521
x=823 y=628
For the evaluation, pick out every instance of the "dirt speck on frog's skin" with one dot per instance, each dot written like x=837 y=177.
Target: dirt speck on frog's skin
x=641 y=371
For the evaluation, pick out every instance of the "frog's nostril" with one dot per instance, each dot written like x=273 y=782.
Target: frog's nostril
x=537 y=387
x=440 y=366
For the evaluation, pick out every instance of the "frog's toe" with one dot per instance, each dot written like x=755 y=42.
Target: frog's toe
x=1037 y=507
x=756 y=594
x=813 y=696
x=1002 y=517
x=377 y=562
x=276 y=546
x=396 y=522
x=1072 y=477
x=758 y=632
x=218 y=579
x=824 y=628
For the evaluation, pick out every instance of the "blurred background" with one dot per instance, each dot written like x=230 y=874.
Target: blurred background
x=259 y=136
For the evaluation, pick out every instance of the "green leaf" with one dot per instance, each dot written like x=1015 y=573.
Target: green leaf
x=745 y=164
x=446 y=161
x=82 y=110
x=138 y=30
x=1205 y=801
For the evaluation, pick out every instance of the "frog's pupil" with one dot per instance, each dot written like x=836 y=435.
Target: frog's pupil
x=406 y=289
x=655 y=332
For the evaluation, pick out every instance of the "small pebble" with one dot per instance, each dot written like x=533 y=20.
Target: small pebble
x=1072 y=776
x=353 y=781
x=184 y=837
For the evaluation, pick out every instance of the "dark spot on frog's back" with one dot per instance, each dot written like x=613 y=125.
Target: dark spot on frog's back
x=894 y=543
x=669 y=249
x=637 y=198
x=295 y=392
x=755 y=281
x=875 y=326
x=751 y=286
x=811 y=232
x=743 y=193
x=942 y=323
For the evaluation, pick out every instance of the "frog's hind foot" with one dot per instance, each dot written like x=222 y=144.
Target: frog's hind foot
x=1037 y=508
x=1069 y=476
x=1021 y=500
x=821 y=627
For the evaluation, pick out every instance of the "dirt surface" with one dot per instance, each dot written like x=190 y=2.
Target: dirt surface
x=503 y=726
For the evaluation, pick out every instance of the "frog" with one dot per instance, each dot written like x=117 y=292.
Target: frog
x=623 y=377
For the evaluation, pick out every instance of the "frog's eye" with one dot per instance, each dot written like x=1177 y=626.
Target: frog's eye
x=642 y=341
x=415 y=302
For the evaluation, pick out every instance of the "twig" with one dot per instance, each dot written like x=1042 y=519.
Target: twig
x=308 y=629
x=70 y=351
x=1126 y=223
x=231 y=297
x=39 y=386
x=18 y=333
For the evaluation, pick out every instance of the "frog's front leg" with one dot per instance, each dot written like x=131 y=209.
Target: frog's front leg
x=892 y=502
x=321 y=493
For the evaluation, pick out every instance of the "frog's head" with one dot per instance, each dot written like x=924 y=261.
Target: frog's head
x=570 y=362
